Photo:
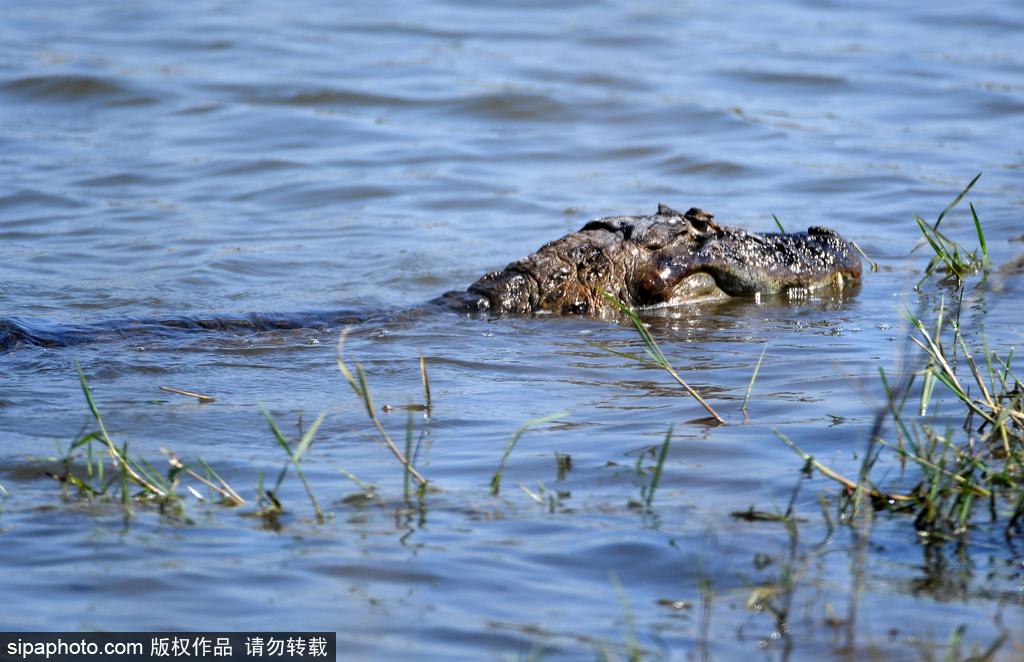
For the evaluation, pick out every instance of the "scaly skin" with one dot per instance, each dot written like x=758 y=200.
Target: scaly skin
x=665 y=259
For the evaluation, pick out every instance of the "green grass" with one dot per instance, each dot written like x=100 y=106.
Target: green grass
x=963 y=471
x=294 y=458
x=513 y=440
x=656 y=476
x=357 y=382
x=750 y=386
x=951 y=258
x=135 y=480
x=140 y=472
x=368 y=492
x=653 y=354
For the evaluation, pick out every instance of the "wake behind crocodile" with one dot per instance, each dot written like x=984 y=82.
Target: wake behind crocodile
x=661 y=260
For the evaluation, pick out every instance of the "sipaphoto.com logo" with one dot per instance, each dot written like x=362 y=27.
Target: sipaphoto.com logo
x=47 y=650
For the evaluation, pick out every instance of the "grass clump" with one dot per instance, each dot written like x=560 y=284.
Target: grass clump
x=976 y=466
x=268 y=499
x=133 y=480
x=952 y=258
x=980 y=461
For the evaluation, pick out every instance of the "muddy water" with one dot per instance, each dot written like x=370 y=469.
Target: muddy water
x=183 y=159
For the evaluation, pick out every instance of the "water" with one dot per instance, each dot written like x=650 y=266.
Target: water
x=182 y=159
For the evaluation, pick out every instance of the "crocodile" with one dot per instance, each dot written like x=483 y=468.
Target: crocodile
x=664 y=259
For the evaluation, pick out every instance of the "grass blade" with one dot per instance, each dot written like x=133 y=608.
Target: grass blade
x=981 y=237
x=955 y=202
x=295 y=456
x=652 y=349
x=839 y=478
x=127 y=470
x=426 y=382
x=307 y=439
x=750 y=386
x=408 y=450
x=496 y=479
x=362 y=390
x=656 y=477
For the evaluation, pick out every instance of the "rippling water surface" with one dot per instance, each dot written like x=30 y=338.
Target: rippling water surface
x=176 y=159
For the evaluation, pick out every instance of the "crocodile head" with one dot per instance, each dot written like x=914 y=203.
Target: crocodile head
x=668 y=258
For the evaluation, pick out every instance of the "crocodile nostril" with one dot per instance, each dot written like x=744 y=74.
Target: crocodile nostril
x=699 y=224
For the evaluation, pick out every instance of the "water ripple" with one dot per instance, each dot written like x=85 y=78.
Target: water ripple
x=76 y=89
x=28 y=198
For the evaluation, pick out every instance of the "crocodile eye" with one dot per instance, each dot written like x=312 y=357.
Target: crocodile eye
x=699 y=224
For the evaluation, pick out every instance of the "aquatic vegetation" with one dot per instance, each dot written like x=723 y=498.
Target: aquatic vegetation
x=294 y=457
x=647 y=492
x=654 y=356
x=153 y=487
x=753 y=378
x=357 y=381
x=967 y=476
x=950 y=257
x=563 y=464
x=542 y=497
x=984 y=459
x=368 y=491
x=513 y=440
x=962 y=471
